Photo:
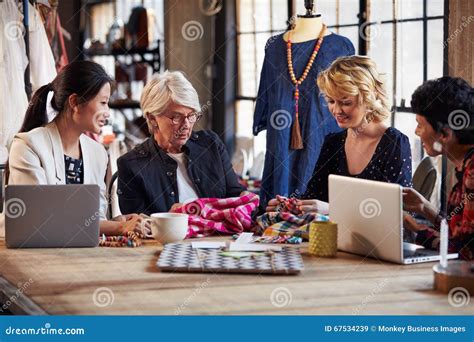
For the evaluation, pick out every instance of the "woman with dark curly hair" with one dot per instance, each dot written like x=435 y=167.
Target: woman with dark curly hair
x=444 y=112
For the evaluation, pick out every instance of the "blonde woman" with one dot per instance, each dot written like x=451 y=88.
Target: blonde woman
x=366 y=148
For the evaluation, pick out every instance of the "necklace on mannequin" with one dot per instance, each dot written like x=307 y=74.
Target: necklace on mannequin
x=296 y=140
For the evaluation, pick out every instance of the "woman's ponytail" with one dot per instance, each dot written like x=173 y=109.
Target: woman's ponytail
x=36 y=115
x=83 y=78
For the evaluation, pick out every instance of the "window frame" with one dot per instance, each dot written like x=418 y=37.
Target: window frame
x=365 y=23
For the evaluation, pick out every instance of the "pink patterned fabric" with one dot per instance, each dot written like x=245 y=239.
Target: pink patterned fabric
x=219 y=215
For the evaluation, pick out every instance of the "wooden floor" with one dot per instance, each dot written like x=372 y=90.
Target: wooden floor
x=106 y=281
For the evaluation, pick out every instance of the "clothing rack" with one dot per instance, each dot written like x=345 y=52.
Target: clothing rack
x=26 y=24
x=28 y=87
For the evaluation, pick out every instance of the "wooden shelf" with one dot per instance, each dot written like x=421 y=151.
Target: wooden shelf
x=121 y=51
x=143 y=54
x=124 y=104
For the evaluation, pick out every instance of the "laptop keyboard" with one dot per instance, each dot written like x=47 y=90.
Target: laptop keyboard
x=418 y=253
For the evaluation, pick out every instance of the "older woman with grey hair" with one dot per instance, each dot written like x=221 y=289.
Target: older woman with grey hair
x=175 y=165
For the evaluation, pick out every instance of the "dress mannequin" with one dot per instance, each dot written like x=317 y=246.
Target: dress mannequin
x=289 y=167
x=306 y=27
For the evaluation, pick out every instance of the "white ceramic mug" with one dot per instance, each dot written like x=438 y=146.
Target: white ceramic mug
x=169 y=227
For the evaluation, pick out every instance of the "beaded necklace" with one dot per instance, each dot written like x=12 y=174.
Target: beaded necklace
x=296 y=140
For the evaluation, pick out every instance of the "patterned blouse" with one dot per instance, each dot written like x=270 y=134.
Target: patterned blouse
x=74 y=170
x=460 y=217
x=390 y=163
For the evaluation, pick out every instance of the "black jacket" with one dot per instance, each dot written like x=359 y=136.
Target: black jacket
x=147 y=180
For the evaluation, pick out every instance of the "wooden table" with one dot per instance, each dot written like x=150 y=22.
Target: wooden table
x=126 y=281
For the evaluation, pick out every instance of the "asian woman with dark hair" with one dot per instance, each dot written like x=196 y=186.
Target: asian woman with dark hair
x=53 y=149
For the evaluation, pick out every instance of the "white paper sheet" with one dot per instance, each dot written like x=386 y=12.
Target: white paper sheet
x=253 y=247
x=208 y=244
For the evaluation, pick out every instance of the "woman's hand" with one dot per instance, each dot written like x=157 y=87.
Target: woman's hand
x=306 y=206
x=413 y=201
x=278 y=204
x=272 y=205
x=313 y=206
x=134 y=223
x=410 y=223
x=124 y=218
x=175 y=207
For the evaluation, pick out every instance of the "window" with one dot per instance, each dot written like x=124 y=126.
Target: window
x=413 y=27
x=257 y=21
x=100 y=18
x=418 y=54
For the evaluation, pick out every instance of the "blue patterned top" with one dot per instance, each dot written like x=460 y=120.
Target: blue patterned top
x=390 y=163
x=74 y=170
x=286 y=171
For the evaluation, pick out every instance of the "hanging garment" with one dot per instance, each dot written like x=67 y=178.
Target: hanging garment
x=13 y=62
x=137 y=27
x=219 y=215
x=287 y=171
x=54 y=31
x=61 y=59
x=42 y=65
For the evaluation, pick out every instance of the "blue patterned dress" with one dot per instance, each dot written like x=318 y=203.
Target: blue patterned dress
x=286 y=171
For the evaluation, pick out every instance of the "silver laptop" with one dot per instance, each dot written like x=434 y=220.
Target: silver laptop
x=51 y=216
x=369 y=216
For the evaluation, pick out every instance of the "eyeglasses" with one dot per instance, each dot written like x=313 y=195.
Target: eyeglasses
x=179 y=119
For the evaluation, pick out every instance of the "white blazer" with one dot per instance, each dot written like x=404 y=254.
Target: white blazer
x=37 y=157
